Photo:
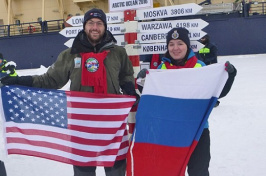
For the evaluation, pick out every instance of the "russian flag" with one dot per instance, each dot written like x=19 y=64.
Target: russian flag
x=173 y=110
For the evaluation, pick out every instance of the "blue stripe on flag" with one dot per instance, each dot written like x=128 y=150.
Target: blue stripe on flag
x=171 y=121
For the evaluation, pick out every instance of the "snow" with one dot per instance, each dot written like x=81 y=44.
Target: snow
x=237 y=126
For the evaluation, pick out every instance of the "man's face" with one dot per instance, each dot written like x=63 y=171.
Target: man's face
x=94 y=29
x=203 y=40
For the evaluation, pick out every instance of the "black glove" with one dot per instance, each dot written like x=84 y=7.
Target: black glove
x=129 y=89
x=17 y=80
x=229 y=67
x=9 y=67
x=142 y=73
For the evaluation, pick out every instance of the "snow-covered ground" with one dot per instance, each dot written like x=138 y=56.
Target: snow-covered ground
x=238 y=128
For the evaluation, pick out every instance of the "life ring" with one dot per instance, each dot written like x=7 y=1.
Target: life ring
x=31 y=29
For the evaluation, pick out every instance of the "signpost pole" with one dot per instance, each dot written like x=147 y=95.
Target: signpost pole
x=130 y=38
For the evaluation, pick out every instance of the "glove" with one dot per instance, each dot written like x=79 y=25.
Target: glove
x=9 y=67
x=142 y=73
x=17 y=80
x=129 y=89
x=141 y=79
x=229 y=67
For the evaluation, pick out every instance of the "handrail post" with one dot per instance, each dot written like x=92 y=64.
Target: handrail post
x=8 y=30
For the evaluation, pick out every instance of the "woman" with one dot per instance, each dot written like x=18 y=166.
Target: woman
x=180 y=55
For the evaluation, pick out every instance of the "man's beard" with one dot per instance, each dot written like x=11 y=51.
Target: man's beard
x=95 y=41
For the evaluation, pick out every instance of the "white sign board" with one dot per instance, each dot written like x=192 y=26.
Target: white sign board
x=70 y=31
x=160 y=37
x=73 y=31
x=119 y=39
x=168 y=11
x=69 y=43
x=116 y=28
x=117 y=17
x=122 y=5
x=160 y=48
x=165 y=26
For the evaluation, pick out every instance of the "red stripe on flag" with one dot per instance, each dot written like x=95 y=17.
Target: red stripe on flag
x=96 y=117
x=158 y=159
x=95 y=130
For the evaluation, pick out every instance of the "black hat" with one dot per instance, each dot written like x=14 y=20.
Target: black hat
x=178 y=33
x=95 y=13
x=1 y=56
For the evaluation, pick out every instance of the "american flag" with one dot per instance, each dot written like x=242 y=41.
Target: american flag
x=78 y=128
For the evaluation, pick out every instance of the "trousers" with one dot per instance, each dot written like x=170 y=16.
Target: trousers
x=119 y=169
x=198 y=164
x=2 y=168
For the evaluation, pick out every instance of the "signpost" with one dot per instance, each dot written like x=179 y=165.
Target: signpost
x=151 y=35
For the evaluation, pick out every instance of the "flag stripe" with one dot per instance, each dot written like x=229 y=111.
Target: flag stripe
x=96 y=124
x=96 y=117
x=98 y=111
x=98 y=130
x=98 y=105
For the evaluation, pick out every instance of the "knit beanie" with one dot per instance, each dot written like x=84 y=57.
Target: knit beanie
x=95 y=13
x=178 y=33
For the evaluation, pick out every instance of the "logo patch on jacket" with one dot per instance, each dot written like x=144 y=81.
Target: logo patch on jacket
x=92 y=64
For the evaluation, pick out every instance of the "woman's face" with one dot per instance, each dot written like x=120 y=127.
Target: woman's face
x=177 y=49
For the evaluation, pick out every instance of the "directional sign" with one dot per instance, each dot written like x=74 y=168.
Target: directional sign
x=70 y=31
x=73 y=31
x=116 y=28
x=168 y=11
x=76 y=20
x=160 y=48
x=165 y=26
x=157 y=37
x=69 y=43
x=122 y=5
x=117 y=17
x=119 y=39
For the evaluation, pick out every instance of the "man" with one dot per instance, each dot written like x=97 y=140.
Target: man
x=208 y=54
x=7 y=68
x=93 y=64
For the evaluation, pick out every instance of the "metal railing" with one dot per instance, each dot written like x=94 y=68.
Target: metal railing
x=31 y=28
x=257 y=8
